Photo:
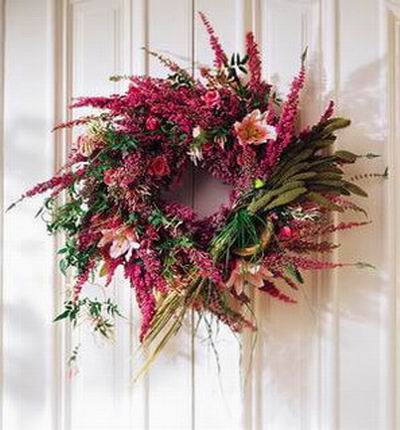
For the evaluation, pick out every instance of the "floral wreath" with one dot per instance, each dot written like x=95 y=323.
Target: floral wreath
x=230 y=122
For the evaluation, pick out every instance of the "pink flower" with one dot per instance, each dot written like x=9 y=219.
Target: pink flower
x=246 y=273
x=87 y=143
x=254 y=130
x=122 y=239
x=285 y=232
x=152 y=123
x=220 y=57
x=159 y=166
x=212 y=98
x=109 y=176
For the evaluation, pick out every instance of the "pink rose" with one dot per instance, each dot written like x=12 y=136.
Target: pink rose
x=204 y=71
x=254 y=130
x=152 y=123
x=109 y=176
x=285 y=232
x=212 y=98
x=159 y=166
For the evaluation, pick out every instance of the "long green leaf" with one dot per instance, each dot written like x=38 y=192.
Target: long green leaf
x=323 y=201
x=286 y=198
x=355 y=189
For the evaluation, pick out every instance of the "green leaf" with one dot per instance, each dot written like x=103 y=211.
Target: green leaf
x=328 y=176
x=258 y=183
x=329 y=183
x=355 y=189
x=370 y=155
x=329 y=169
x=346 y=156
x=323 y=201
x=303 y=176
x=362 y=265
x=304 y=55
x=293 y=170
x=286 y=198
x=386 y=173
x=335 y=124
x=328 y=189
x=321 y=144
x=62 y=316
x=294 y=273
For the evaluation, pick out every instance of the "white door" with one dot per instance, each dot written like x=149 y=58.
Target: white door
x=329 y=363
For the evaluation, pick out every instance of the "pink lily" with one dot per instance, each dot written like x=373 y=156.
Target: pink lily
x=254 y=130
x=246 y=273
x=122 y=239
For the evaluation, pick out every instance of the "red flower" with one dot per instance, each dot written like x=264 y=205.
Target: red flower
x=109 y=176
x=159 y=166
x=212 y=98
x=285 y=232
x=152 y=123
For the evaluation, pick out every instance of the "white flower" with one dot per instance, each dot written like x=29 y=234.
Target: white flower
x=195 y=154
x=196 y=132
x=220 y=141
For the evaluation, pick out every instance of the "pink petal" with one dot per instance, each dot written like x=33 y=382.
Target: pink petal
x=272 y=134
x=255 y=280
x=118 y=248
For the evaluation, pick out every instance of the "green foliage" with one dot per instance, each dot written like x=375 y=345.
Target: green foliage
x=180 y=80
x=241 y=230
x=101 y=314
x=294 y=273
x=304 y=172
x=65 y=217
x=236 y=64
x=73 y=257
x=120 y=142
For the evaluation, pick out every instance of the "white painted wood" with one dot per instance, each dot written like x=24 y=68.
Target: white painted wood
x=328 y=363
x=391 y=45
x=170 y=394
x=2 y=51
x=364 y=297
x=219 y=401
x=99 y=46
x=285 y=373
x=28 y=296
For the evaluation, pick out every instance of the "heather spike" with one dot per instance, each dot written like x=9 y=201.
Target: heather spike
x=328 y=112
x=287 y=122
x=81 y=280
x=254 y=61
x=220 y=58
x=171 y=65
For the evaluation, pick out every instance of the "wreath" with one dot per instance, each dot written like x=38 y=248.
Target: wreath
x=135 y=146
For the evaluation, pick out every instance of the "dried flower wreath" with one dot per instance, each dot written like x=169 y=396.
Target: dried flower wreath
x=230 y=122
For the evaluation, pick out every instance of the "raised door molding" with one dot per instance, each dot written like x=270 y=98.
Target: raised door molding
x=2 y=66
x=393 y=212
